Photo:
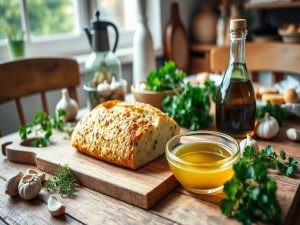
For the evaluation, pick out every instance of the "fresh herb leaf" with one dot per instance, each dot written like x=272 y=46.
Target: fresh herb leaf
x=191 y=107
x=42 y=126
x=274 y=110
x=251 y=193
x=63 y=182
x=167 y=77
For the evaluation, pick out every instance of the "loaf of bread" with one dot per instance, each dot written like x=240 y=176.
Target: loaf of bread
x=128 y=135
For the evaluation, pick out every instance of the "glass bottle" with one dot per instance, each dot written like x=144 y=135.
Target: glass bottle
x=235 y=103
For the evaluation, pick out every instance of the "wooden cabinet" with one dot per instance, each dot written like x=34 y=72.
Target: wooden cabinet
x=200 y=58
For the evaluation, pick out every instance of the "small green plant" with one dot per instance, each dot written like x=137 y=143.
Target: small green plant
x=42 y=125
x=274 y=110
x=167 y=77
x=63 y=182
x=251 y=193
x=191 y=107
x=12 y=32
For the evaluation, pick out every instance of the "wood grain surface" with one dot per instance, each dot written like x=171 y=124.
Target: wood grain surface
x=142 y=187
x=178 y=207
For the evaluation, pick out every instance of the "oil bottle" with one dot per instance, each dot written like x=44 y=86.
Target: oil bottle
x=235 y=103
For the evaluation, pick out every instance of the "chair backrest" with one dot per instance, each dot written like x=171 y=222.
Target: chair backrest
x=37 y=75
x=277 y=58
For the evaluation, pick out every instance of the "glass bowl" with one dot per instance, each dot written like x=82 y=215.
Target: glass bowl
x=202 y=160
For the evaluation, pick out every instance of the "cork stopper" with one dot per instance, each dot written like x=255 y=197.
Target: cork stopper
x=238 y=24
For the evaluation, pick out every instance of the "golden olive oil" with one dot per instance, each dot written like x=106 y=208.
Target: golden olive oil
x=204 y=165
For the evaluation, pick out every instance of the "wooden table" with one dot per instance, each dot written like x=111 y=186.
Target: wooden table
x=90 y=207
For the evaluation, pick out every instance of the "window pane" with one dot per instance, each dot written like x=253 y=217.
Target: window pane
x=120 y=12
x=10 y=19
x=51 y=17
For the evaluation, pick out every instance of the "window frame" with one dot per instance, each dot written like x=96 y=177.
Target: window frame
x=77 y=44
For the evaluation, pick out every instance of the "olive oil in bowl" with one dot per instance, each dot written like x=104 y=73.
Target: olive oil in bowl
x=202 y=161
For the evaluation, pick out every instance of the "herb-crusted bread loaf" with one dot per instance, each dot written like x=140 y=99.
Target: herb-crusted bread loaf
x=128 y=135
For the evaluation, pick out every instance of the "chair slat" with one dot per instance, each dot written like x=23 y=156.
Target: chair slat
x=44 y=102
x=20 y=112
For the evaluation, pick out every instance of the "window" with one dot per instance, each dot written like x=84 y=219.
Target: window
x=55 y=27
x=122 y=12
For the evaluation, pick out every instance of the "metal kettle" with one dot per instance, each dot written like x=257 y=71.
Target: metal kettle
x=98 y=34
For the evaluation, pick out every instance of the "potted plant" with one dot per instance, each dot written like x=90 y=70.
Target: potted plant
x=15 y=41
x=165 y=81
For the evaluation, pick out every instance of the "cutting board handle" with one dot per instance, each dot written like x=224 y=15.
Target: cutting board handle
x=3 y=147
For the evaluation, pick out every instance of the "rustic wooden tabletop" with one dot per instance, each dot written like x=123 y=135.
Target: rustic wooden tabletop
x=178 y=207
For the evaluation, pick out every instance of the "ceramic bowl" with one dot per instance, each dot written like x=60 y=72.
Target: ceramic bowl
x=153 y=98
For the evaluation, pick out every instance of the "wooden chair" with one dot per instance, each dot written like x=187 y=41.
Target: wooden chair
x=36 y=76
x=176 y=40
x=278 y=58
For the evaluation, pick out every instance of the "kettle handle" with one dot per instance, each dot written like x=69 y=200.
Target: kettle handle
x=117 y=35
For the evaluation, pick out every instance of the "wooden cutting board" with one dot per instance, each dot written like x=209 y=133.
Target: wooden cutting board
x=143 y=187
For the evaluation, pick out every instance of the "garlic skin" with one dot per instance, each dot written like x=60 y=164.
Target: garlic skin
x=248 y=142
x=12 y=183
x=68 y=104
x=55 y=206
x=292 y=134
x=267 y=127
x=42 y=175
x=29 y=186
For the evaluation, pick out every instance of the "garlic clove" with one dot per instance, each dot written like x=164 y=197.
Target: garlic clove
x=29 y=186
x=11 y=186
x=248 y=142
x=267 y=127
x=42 y=175
x=55 y=206
x=68 y=104
x=293 y=134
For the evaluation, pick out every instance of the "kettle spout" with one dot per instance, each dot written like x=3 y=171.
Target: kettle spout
x=89 y=35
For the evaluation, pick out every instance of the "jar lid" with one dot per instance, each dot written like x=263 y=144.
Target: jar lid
x=238 y=24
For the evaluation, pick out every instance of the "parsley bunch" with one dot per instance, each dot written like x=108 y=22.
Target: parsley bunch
x=251 y=193
x=42 y=127
x=166 y=77
x=191 y=107
x=274 y=110
x=64 y=182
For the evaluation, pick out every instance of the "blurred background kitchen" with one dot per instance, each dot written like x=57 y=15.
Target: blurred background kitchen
x=36 y=28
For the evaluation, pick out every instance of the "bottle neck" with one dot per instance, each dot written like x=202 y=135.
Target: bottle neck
x=237 y=46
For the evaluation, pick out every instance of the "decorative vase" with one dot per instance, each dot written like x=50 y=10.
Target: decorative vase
x=16 y=48
x=143 y=52
x=204 y=25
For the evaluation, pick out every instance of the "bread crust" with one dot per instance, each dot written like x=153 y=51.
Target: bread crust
x=113 y=130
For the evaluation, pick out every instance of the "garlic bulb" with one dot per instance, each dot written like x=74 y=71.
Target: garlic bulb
x=293 y=134
x=42 y=175
x=11 y=186
x=248 y=142
x=267 y=127
x=29 y=186
x=55 y=207
x=68 y=104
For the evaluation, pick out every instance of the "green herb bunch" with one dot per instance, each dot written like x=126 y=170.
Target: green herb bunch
x=251 y=193
x=274 y=110
x=191 y=107
x=42 y=126
x=167 y=77
x=63 y=182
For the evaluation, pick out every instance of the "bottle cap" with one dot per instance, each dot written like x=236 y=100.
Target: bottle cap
x=238 y=24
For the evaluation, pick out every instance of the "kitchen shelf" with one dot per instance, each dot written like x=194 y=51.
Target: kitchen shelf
x=272 y=5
